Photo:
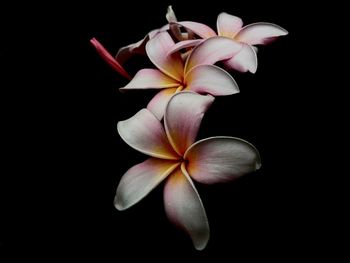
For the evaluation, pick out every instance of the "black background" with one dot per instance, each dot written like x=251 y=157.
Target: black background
x=65 y=158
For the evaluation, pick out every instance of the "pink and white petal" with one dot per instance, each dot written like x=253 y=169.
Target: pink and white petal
x=141 y=179
x=157 y=49
x=211 y=79
x=145 y=133
x=183 y=117
x=260 y=33
x=228 y=25
x=159 y=102
x=221 y=159
x=200 y=29
x=185 y=44
x=109 y=58
x=211 y=51
x=150 y=79
x=185 y=209
x=245 y=60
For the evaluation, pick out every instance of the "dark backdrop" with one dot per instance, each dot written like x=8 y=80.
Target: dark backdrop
x=62 y=109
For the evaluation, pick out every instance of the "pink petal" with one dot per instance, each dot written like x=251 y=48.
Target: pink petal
x=260 y=33
x=157 y=49
x=150 y=79
x=145 y=133
x=211 y=51
x=183 y=117
x=159 y=102
x=141 y=179
x=184 y=208
x=245 y=60
x=108 y=58
x=184 y=44
x=221 y=159
x=211 y=79
x=200 y=29
x=228 y=25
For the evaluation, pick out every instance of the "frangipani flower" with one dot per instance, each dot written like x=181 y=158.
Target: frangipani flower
x=198 y=74
x=231 y=27
x=177 y=158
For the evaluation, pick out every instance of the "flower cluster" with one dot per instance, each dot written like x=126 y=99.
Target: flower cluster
x=184 y=54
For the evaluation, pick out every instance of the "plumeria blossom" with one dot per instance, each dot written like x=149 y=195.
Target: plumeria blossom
x=197 y=73
x=230 y=26
x=177 y=158
x=166 y=130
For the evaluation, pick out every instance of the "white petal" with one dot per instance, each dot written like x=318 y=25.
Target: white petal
x=245 y=60
x=200 y=29
x=157 y=49
x=211 y=51
x=228 y=25
x=183 y=117
x=184 y=208
x=185 y=44
x=145 y=133
x=150 y=79
x=221 y=159
x=211 y=79
x=260 y=33
x=141 y=179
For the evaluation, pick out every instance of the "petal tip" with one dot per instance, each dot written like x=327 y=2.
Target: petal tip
x=122 y=90
x=119 y=205
x=201 y=244
x=284 y=32
x=210 y=99
x=258 y=165
x=253 y=70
